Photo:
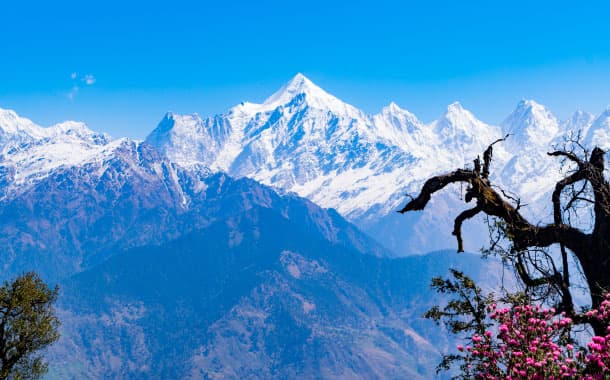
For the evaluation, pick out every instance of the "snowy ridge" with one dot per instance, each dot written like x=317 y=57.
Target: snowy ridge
x=531 y=124
x=530 y=172
x=305 y=140
x=404 y=129
x=579 y=122
x=462 y=133
x=32 y=152
x=16 y=130
x=302 y=139
x=599 y=132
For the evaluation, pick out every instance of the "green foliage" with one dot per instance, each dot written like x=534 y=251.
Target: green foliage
x=27 y=325
x=465 y=314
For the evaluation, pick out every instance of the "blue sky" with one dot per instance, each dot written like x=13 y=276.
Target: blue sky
x=120 y=66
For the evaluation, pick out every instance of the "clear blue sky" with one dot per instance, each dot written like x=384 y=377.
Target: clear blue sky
x=146 y=58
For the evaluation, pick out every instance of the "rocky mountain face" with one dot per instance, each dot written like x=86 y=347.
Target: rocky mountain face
x=72 y=220
x=304 y=140
x=78 y=206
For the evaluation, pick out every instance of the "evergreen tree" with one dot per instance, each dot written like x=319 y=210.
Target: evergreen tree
x=27 y=325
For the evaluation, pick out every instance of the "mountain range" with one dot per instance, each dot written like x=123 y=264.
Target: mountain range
x=304 y=140
x=261 y=242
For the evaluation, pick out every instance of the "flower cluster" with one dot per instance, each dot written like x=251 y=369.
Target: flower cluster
x=533 y=343
x=597 y=355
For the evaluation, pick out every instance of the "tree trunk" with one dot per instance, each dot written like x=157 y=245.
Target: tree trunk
x=597 y=272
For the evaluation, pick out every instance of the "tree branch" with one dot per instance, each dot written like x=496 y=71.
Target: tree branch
x=556 y=198
x=522 y=233
x=526 y=277
x=487 y=156
x=569 y=155
x=435 y=184
x=457 y=226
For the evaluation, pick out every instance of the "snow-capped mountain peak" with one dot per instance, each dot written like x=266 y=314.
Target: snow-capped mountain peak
x=455 y=107
x=12 y=124
x=579 y=118
x=314 y=96
x=456 y=114
x=393 y=108
x=17 y=129
x=530 y=124
x=459 y=129
x=299 y=84
x=579 y=122
x=171 y=120
x=77 y=130
x=403 y=128
x=32 y=152
x=599 y=132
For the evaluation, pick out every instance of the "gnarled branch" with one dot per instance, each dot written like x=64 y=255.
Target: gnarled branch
x=521 y=232
x=435 y=184
x=488 y=154
x=457 y=226
x=569 y=155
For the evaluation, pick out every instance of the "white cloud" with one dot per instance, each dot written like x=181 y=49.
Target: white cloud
x=88 y=79
x=72 y=94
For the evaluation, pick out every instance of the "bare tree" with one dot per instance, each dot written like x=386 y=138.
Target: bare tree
x=535 y=267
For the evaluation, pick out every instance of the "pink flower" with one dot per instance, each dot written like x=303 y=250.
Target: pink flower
x=598 y=339
x=529 y=339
